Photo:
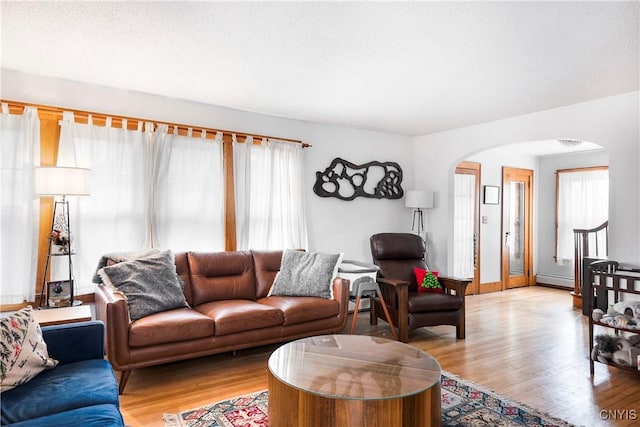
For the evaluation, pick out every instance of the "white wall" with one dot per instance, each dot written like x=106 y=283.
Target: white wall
x=334 y=225
x=611 y=122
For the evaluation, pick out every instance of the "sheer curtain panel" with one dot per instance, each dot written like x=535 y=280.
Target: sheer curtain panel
x=113 y=218
x=269 y=195
x=188 y=192
x=149 y=189
x=463 y=253
x=20 y=154
x=583 y=202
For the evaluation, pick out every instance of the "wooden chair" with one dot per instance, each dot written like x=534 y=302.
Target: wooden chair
x=396 y=254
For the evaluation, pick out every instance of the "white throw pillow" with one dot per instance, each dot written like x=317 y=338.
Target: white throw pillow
x=306 y=274
x=23 y=352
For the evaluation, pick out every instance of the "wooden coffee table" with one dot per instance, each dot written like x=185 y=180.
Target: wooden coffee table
x=352 y=380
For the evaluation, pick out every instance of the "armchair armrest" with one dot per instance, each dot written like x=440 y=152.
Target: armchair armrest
x=454 y=284
x=396 y=294
x=75 y=341
x=392 y=282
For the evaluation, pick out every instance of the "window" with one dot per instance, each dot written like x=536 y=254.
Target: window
x=149 y=189
x=153 y=185
x=269 y=195
x=582 y=203
x=19 y=154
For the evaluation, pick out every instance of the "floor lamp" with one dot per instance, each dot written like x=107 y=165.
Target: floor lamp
x=61 y=181
x=418 y=200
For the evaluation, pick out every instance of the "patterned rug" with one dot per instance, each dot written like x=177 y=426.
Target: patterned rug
x=463 y=404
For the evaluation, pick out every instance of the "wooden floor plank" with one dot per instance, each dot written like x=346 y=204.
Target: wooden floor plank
x=527 y=344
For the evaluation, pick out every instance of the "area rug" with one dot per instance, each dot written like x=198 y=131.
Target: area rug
x=463 y=404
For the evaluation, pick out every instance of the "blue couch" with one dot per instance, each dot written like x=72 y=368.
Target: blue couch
x=81 y=391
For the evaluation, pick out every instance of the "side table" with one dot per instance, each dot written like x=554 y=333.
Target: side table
x=59 y=316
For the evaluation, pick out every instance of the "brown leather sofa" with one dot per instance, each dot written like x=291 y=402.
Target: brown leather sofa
x=229 y=310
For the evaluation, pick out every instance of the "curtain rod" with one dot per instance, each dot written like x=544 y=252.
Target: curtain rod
x=132 y=122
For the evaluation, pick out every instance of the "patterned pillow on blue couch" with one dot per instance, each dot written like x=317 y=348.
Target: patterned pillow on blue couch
x=23 y=352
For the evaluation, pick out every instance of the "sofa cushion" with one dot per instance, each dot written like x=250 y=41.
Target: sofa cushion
x=24 y=352
x=182 y=269
x=150 y=284
x=306 y=274
x=302 y=309
x=233 y=316
x=64 y=388
x=179 y=324
x=221 y=276
x=91 y=416
x=266 y=265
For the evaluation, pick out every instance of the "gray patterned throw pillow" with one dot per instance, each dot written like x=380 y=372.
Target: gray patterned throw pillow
x=306 y=274
x=150 y=284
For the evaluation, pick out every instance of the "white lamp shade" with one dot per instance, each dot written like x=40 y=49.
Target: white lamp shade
x=62 y=181
x=419 y=199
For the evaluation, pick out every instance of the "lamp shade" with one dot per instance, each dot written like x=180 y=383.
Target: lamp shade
x=62 y=181
x=419 y=199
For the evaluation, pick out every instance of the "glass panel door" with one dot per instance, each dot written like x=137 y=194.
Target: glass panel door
x=516 y=228
x=517 y=254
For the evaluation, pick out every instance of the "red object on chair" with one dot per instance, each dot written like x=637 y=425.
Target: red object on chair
x=420 y=273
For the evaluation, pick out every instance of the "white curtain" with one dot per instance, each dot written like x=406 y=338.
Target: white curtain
x=269 y=195
x=20 y=153
x=188 y=206
x=242 y=187
x=463 y=251
x=112 y=218
x=583 y=202
x=149 y=189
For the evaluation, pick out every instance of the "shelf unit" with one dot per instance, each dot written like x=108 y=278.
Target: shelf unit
x=60 y=221
x=610 y=285
x=43 y=289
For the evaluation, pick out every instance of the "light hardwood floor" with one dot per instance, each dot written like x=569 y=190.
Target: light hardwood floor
x=527 y=344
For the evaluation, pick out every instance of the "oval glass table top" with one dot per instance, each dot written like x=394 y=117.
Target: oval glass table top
x=354 y=367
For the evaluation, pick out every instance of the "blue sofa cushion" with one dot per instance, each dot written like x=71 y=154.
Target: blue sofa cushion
x=64 y=388
x=91 y=416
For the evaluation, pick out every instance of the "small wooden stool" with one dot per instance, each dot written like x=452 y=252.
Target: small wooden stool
x=370 y=289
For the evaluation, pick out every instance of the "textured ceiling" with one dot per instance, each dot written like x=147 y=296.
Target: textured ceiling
x=407 y=68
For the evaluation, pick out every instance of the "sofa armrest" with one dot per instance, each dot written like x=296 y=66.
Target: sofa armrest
x=74 y=342
x=341 y=294
x=111 y=308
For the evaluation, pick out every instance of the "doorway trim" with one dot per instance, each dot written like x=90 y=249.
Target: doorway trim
x=475 y=169
x=529 y=277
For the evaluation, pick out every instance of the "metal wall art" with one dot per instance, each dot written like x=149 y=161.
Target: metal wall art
x=346 y=181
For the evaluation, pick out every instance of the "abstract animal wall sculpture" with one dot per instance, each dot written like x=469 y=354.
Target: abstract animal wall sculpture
x=346 y=181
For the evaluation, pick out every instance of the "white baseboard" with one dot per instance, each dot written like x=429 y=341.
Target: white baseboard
x=555 y=280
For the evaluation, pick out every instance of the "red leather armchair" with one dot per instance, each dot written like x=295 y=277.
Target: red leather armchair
x=396 y=254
